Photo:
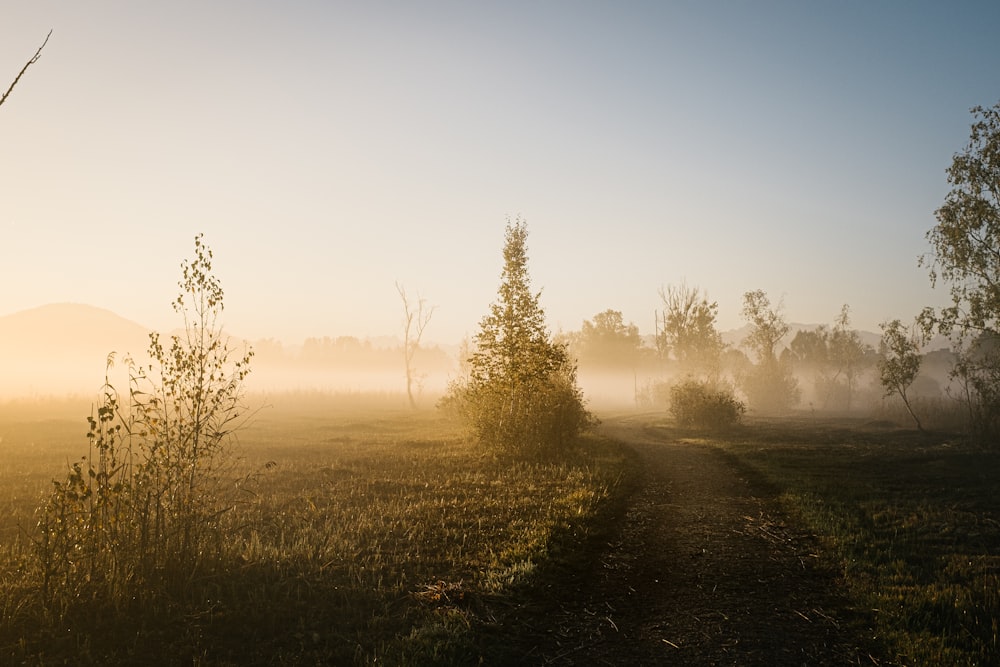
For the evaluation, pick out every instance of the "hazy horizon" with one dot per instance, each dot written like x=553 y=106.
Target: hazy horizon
x=61 y=350
x=381 y=340
x=328 y=151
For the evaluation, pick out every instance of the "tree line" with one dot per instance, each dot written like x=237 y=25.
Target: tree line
x=964 y=257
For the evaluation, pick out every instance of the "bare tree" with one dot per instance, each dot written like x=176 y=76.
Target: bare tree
x=414 y=322
x=32 y=61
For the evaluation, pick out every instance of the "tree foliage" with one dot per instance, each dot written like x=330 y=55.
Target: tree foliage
x=811 y=348
x=767 y=326
x=965 y=254
x=608 y=340
x=966 y=240
x=520 y=395
x=686 y=329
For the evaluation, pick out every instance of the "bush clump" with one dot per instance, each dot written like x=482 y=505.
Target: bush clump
x=701 y=404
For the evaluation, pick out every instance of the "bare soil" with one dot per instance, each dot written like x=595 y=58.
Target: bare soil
x=701 y=567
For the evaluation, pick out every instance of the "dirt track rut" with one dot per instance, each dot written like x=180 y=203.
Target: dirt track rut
x=703 y=570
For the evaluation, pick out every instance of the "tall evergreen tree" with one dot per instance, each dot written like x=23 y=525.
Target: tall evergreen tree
x=521 y=394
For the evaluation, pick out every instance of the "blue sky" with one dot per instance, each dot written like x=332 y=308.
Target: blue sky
x=328 y=150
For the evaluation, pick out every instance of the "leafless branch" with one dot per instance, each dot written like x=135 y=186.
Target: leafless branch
x=34 y=59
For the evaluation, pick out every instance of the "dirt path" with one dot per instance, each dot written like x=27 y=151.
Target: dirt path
x=703 y=571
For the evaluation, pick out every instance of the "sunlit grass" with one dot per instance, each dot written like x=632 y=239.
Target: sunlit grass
x=364 y=535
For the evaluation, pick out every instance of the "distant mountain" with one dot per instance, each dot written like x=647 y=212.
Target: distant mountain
x=68 y=328
x=62 y=348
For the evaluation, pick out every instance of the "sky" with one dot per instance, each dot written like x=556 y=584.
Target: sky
x=329 y=150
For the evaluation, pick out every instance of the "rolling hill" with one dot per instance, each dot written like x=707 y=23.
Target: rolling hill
x=60 y=349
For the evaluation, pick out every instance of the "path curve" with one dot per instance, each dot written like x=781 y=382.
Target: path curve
x=703 y=570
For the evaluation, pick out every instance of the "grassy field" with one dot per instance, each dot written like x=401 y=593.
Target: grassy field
x=369 y=534
x=913 y=521
x=376 y=534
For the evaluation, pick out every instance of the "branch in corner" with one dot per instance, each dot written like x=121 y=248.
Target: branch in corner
x=32 y=61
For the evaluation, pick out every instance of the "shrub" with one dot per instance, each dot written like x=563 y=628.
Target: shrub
x=140 y=512
x=770 y=387
x=535 y=418
x=701 y=404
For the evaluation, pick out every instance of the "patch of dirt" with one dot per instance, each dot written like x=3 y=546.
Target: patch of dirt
x=703 y=570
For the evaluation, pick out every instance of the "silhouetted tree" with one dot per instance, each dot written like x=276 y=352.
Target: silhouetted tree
x=521 y=394
x=415 y=320
x=31 y=61
x=608 y=340
x=809 y=351
x=810 y=348
x=899 y=363
x=686 y=329
x=767 y=326
x=848 y=354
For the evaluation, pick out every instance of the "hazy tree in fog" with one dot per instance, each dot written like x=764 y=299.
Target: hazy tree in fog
x=687 y=334
x=966 y=256
x=769 y=384
x=810 y=348
x=415 y=319
x=607 y=339
x=521 y=393
x=836 y=357
x=899 y=363
x=848 y=354
x=976 y=376
x=809 y=351
x=31 y=61
x=767 y=326
x=686 y=329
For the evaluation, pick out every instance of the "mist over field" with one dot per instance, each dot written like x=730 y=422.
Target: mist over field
x=61 y=350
